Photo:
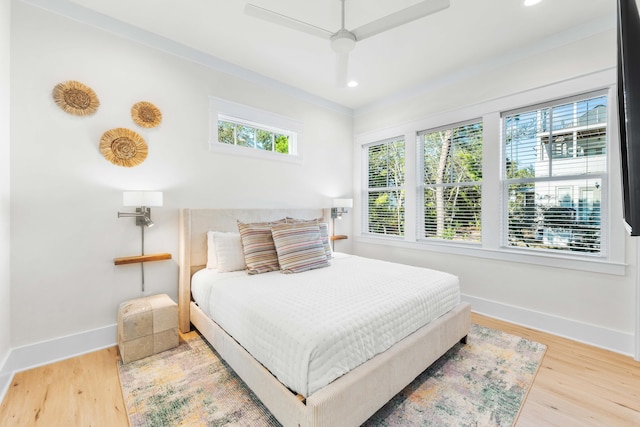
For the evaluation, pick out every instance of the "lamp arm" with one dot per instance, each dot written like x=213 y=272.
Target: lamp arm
x=131 y=214
x=139 y=213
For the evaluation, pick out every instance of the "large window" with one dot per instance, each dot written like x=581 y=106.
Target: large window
x=451 y=182
x=555 y=162
x=531 y=177
x=385 y=192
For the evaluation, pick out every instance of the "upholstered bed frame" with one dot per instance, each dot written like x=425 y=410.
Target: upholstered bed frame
x=351 y=399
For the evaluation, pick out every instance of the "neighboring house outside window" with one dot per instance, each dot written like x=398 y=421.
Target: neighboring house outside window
x=555 y=162
x=385 y=192
x=451 y=184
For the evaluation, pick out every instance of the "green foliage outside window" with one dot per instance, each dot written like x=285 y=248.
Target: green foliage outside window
x=452 y=176
x=252 y=137
x=385 y=183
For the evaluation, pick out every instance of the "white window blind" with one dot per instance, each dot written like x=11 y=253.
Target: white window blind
x=451 y=187
x=555 y=163
x=385 y=190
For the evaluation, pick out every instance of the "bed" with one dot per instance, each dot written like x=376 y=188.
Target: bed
x=336 y=399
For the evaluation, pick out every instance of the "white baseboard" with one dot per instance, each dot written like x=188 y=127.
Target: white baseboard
x=5 y=381
x=617 y=341
x=45 y=352
x=5 y=378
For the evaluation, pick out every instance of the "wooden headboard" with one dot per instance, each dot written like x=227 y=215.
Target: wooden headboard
x=194 y=224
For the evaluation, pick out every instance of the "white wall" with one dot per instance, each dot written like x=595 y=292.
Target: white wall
x=592 y=307
x=5 y=288
x=65 y=195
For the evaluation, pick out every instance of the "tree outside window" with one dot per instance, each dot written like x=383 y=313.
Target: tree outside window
x=452 y=182
x=385 y=187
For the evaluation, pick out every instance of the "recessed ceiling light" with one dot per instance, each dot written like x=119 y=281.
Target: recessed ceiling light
x=531 y=2
x=352 y=83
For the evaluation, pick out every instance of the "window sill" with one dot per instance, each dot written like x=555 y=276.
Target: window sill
x=583 y=263
x=215 y=146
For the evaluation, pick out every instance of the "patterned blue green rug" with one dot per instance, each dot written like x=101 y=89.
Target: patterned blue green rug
x=482 y=383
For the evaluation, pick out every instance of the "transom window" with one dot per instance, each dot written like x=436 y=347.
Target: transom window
x=248 y=131
x=555 y=162
x=241 y=133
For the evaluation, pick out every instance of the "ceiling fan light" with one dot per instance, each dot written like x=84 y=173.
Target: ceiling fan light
x=352 y=83
x=343 y=42
x=531 y=2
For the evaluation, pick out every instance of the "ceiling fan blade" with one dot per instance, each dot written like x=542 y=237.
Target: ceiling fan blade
x=342 y=69
x=400 y=17
x=286 y=21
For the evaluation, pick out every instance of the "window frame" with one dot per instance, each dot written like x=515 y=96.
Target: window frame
x=613 y=262
x=224 y=110
x=420 y=211
x=602 y=176
x=367 y=190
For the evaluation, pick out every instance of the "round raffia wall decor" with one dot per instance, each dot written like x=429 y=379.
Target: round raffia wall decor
x=146 y=114
x=75 y=98
x=123 y=147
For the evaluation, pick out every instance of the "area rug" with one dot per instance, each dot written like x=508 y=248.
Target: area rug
x=481 y=383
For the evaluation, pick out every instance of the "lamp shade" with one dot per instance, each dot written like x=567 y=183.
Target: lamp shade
x=142 y=198
x=342 y=203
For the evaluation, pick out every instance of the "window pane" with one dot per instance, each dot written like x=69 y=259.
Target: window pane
x=576 y=144
x=386 y=212
x=386 y=164
x=245 y=136
x=282 y=143
x=560 y=215
x=264 y=140
x=378 y=171
x=452 y=165
x=226 y=132
x=453 y=155
x=524 y=143
x=385 y=182
x=453 y=213
x=562 y=211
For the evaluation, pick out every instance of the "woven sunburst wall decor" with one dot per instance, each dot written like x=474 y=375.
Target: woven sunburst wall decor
x=146 y=114
x=75 y=98
x=123 y=147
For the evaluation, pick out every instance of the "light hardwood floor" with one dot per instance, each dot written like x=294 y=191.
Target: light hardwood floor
x=577 y=385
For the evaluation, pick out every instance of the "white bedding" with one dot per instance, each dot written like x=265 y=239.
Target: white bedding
x=310 y=328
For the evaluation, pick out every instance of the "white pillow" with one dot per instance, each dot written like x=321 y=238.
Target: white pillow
x=227 y=250
x=212 y=260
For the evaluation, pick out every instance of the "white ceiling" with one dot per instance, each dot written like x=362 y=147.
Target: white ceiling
x=469 y=36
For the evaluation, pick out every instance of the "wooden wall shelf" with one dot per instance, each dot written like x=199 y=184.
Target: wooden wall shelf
x=141 y=258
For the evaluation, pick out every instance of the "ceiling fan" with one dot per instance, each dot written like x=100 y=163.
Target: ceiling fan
x=343 y=41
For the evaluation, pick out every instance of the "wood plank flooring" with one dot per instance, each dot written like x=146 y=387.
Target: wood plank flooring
x=577 y=385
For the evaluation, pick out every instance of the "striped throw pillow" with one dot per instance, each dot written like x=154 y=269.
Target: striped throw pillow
x=299 y=247
x=260 y=254
x=324 y=232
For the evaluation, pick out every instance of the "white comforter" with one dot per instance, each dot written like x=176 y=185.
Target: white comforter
x=310 y=328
